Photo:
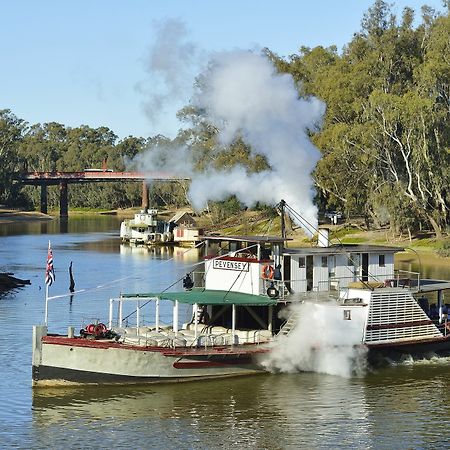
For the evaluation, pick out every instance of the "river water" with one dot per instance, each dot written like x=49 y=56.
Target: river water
x=401 y=406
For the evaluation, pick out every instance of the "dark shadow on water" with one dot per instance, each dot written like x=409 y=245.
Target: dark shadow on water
x=74 y=224
x=63 y=225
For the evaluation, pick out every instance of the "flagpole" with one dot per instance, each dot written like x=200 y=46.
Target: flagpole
x=49 y=278
x=46 y=305
x=46 y=287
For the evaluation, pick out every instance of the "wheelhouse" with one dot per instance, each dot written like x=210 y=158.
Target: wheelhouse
x=258 y=265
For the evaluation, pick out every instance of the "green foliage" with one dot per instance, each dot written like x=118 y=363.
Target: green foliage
x=444 y=249
x=385 y=139
x=386 y=135
x=11 y=131
x=223 y=210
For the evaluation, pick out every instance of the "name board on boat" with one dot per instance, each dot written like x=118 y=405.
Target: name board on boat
x=240 y=266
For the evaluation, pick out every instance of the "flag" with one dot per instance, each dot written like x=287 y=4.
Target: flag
x=49 y=271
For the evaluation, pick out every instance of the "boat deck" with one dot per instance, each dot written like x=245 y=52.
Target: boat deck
x=232 y=350
x=429 y=285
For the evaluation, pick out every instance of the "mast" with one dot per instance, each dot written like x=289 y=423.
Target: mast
x=282 y=205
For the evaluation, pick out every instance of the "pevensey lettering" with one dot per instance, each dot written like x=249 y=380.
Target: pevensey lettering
x=231 y=265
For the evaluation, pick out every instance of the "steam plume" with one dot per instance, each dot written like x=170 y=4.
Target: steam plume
x=315 y=345
x=242 y=95
x=171 y=63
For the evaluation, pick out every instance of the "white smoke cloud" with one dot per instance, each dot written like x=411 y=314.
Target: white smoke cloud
x=171 y=63
x=319 y=343
x=242 y=95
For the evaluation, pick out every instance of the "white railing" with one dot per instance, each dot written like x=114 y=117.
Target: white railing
x=407 y=278
x=140 y=303
x=400 y=278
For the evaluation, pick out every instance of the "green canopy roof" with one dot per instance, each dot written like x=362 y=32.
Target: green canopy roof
x=210 y=297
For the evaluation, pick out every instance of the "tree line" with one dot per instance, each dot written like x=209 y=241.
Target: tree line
x=54 y=147
x=385 y=138
x=385 y=141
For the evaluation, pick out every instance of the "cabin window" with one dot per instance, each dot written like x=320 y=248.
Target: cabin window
x=265 y=252
x=332 y=266
x=347 y=314
x=324 y=261
x=301 y=262
x=381 y=261
x=233 y=246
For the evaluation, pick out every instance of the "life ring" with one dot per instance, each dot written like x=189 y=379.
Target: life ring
x=267 y=272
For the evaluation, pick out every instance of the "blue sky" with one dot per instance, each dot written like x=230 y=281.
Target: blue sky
x=85 y=61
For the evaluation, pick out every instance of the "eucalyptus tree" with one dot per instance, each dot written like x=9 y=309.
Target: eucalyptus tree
x=43 y=147
x=408 y=161
x=393 y=141
x=11 y=135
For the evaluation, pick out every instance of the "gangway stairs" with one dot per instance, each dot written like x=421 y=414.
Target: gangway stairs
x=290 y=323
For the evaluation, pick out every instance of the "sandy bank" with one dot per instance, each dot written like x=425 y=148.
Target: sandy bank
x=13 y=215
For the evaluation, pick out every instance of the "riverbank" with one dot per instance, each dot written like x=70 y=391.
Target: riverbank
x=260 y=222
x=14 y=215
x=253 y=222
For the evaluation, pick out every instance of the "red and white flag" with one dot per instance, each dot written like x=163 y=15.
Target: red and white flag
x=49 y=271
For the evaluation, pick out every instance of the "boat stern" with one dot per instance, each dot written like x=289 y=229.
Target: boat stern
x=39 y=331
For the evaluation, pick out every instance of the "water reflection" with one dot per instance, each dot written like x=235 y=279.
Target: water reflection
x=63 y=225
x=410 y=401
x=56 y=225
x=405 y=406
x=267 y=411
x=162 y=251
x=427 y=264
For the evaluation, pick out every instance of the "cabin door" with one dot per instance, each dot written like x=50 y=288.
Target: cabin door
x=309 y=272
x=365 y=267
x=287 y=273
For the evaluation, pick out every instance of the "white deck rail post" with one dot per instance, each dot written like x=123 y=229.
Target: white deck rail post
x=175 y=317
x=195 y=321
x=120 y=313
x=111 y=305
x=440 y=298
x=138 y=314
x=157 y=314
x=270 y=318
x=233 y=322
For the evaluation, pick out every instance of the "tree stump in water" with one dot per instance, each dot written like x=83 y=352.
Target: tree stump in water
x=7 y=282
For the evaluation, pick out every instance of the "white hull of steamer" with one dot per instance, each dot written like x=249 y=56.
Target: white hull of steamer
x=63 y=360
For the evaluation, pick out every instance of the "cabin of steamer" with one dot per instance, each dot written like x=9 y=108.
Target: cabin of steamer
x=263 y=262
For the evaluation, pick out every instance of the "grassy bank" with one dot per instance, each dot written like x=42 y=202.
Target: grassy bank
x=251 y=223
x=14 y=215
x=265 y=223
